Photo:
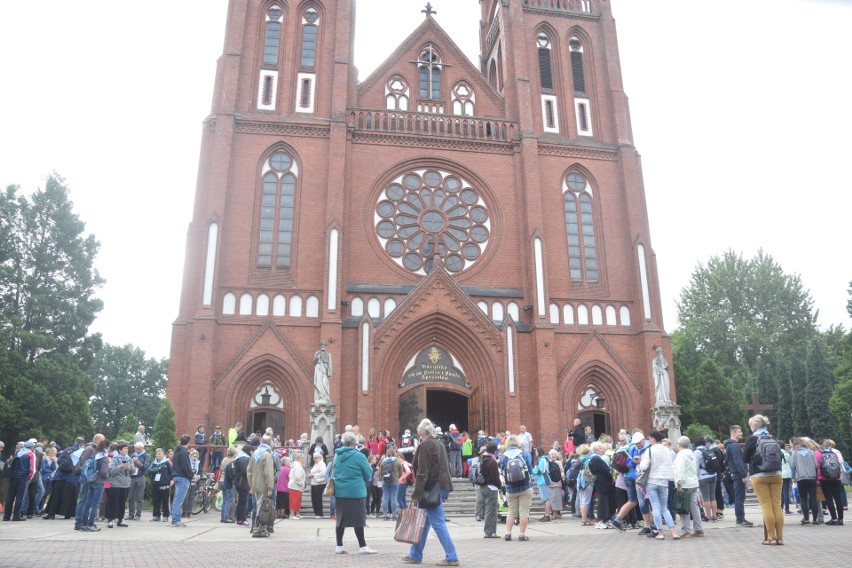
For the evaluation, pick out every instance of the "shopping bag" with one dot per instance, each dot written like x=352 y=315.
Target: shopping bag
x=410 y=523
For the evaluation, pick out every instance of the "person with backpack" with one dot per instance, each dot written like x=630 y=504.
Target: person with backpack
x=21 y=470
x=763 y=455
x=830 y=468
x=709 y=465
x=557 y=476
x=454 y=448
x=391 y=472
x=93 y=475
x=541 y=471
x=603 y=482
x=804 y=467
x=658 y=462
x=634 y=452
x=516 y=465
x=488 y=484
x=226 y=483
x=405 y=481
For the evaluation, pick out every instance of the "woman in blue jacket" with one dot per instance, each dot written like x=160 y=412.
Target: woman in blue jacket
x=351 y=474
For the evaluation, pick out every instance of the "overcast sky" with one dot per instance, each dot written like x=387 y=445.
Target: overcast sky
x=740 y=110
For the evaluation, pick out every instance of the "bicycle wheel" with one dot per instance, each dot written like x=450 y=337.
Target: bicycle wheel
x=199 y=502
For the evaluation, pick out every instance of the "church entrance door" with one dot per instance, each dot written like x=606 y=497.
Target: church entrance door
x=261 y=419
x=444 y=407
x=599 y=421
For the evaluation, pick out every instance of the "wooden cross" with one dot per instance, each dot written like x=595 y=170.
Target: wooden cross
x=755 y=405
x=428 y=11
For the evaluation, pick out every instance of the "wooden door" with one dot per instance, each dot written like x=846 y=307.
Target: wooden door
x=475 y=412
x=412 y=409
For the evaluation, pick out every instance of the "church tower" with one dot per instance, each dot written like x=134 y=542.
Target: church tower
x=471 y=243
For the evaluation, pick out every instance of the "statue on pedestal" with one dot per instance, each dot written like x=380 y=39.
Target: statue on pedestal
x=660 y=370
x=322 y=373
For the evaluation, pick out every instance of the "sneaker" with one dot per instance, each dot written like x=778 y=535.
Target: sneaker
x=409 y=560
x=507 y=536
x=832 y=522
x=521 y=537
x=617 y=523
x=745 y=523
x=644 y=531
x=297 y=517
x=544 y=519
x=601 y=525
x=447 y=563
x=698 y=533
x=109 y=525
x=93 y=528
x=260 y=534
x=366 y=550
x=177 y=524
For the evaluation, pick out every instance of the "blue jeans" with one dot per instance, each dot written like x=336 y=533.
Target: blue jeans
x=93 y=503
x=400 y=496
x=435 y=519
x=181 y=489
x=785 y=494
x=739 y=498
x=659 y=497
x=389 y=491
x=227 y=501
x=81 y=502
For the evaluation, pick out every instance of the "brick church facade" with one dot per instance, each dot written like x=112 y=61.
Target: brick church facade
x=472 y=243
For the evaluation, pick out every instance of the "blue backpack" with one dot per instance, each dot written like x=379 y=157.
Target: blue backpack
x=90 y=470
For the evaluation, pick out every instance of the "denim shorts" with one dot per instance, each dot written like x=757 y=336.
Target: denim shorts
x=544 y=493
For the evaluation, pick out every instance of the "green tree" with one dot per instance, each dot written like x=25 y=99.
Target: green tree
x=738 y=310
x=128 y=389
x=818 y=389
x=47 y=303
x=840 y=405
x=717 y=401
x=783 y=414
x=795 y=380
x=165 y=431
x=695 y=429
x=686 y=360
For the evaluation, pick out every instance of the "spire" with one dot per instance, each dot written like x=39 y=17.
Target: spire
x=428 y=11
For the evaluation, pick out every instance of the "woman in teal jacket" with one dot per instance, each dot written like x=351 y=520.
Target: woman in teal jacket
x=351 y=473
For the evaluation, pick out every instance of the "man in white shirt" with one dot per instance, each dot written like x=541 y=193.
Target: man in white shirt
x=525 y=438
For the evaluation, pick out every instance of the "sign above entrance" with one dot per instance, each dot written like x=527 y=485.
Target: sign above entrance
x=434 y=365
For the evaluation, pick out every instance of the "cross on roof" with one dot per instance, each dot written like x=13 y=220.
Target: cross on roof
x=755 y=405
x=428 y=11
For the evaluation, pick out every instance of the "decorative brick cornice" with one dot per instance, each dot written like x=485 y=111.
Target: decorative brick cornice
x=254 y=127
x=438 y=282
x=426 y=141
x=575 y=152
x=268 y=326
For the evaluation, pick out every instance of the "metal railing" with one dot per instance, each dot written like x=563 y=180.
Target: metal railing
x=421 y=123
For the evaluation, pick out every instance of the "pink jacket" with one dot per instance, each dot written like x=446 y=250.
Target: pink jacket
x=818 y=456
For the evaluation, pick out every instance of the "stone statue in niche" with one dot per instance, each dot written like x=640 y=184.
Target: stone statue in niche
x=322 y=373
x=660 y=370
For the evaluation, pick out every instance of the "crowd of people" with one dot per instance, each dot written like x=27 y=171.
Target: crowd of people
x=635 y=481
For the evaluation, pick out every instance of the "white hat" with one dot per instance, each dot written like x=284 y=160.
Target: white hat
x=452 y=426
x=637 y=437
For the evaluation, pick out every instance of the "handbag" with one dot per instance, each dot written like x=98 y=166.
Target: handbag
x=409 y=525
x=329 y=488
x=682 y=500
x=644 y=474
x=431 y=497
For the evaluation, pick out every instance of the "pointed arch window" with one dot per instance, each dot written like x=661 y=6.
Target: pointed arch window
x=397 y=94
x=272 y=37
x=277 y=211
x=429 y=73
x=579 y=224
x=545 y=71
x=463 y=99
x=577 y=73
x=310 y=29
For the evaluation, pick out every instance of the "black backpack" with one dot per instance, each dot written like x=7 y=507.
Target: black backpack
x=555 y=472
x=767 y=455
x=712 y=463
x=829 y=466
x=64 y=463
x=9 y=466
x=573 y=473
x=387 y=470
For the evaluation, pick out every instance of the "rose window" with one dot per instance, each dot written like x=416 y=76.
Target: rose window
x=425 y=218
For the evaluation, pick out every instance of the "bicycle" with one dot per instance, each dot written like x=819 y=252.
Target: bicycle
x=205 y=496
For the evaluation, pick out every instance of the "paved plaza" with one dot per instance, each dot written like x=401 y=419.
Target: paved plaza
x=206 y=543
